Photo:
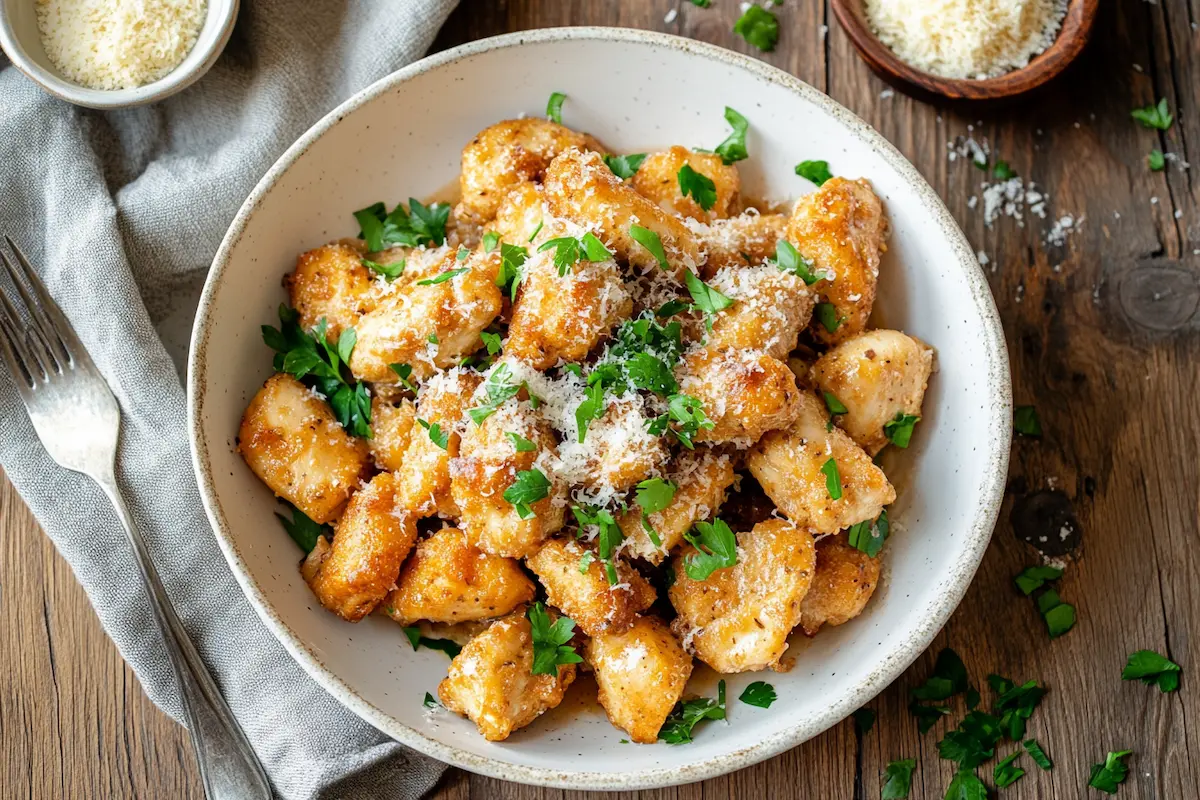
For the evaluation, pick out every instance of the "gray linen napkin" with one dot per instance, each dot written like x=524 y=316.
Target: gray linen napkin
x=123 y=212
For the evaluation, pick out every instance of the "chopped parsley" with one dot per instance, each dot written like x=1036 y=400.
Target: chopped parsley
x=1156 y=160
x=554 y=107
x=758 y=27
x=827 y=315
x=530 y=486
x=815 y=171
x=430 y=701
x=433 y=338
x=706 y=298
x=973 y=741
x=651 y=241
x=701 y=3
x=389 y=271
x=1150 y=668
x=733 y=148
x=864 y=719
x=1037 y=754
x=520 y=443
x=1015 y=704
x=568 y=251
x=899 y=429
x=698 y=185
x=1026 y=422
x=436 y=435
x=536 y=231
x=592 y=408
x=965 y=785
x=655 y=494
x=608 y=539
x=834 y=405
x=512 y=258
x=311 y=359
x=927 y=715
x=687 y=414
x=1059 y=616
x=585 y=561
x=788 y=259
x=1033 y=578
x=490 y=240
x=716 y=548
x=404 y=372
x=443 y=277
x=651 y=534
x=491 y=341
x=869 y=536
x=462 y=254
x=898 y=781
x=499 y=388
x=833 y=480
x=1002 y=171
x=412 y=227
x=681 y=723
x=1156 y=117
x=759 y=694
x=303 y=530
x=1108 y=776
x=447 y=646
x=625 y=167
x=948 y=679
x=550 y=648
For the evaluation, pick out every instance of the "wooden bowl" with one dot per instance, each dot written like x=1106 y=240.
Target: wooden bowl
x=1076 y=29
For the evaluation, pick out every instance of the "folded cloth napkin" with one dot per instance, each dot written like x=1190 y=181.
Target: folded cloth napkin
x=122 y=212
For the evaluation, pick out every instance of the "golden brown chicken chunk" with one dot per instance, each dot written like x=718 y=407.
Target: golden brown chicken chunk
x=797 y=468
x=391 y=427
x=641 y=673
x=293 y=443
x=877 y=375
x=738 y=618
x=744 y=395
x=520 y=214
x=430 y=318
x=449 y=580
x=560 y=318
x=746 y=240
x=845 y=579
x=491 y=681
x=423 y=478
x=770 y=308
x=580 y=589
x=658 y=179
x=490 y=464
x=581 y=188
x=508 y=153
x=841 y=229
x=700 y=477
x=330 y=283
x=617 y=451
x=370 y=543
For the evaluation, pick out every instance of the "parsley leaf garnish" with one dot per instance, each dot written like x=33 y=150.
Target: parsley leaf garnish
x=701 y=3
x=433 y=338
x=491 y=341
x=899 y=779
x=949 y=678
x=973 y=741
x=512 y=258
x=864 y=719
x=641 y=353
x=834 y=405
x=389 y=271
x=827 y=315
x=1037 y=754
x=530 y=486
x=682 y=721
x=758 y=27
x=651 y=241
x=733 y=148
x=869 y=536
x=759 y=694
x=443 y=277
x=608 y=539
x=520 y=443
x=927 y=716
x=568 y=251
x=404 y=371
x=417 y=225
x=655 y=494
x=1156 y=160
x=687 y=413
x=1026 y=422
x=554 y=107
x=592 y=408
x=1151 y=668
x=1034 y=578
x=436 y=435
x=833 y=480
x=706 y=298
x=430 y=701
x=550 y=648
x=1015 y=704
x=490 y=240
x=815 y=171
x=303 y=530
x=625 y=167
x=716 y=548
x=585 y=561
x=788 y=259
x=698 y=185
x=447 y=646
x=1157 y=117
x=1002 y=171
x=1059 y=616
x=899 y=429
x=1107 y=776
x=499 y=388
x=966 y=786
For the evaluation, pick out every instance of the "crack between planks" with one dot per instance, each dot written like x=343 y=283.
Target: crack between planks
x=859 y=789
x=825 y=46
x=54 y=680
x=1162 y=135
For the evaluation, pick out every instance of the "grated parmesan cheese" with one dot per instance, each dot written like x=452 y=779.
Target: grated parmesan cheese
x=118 y=44
x=966 y=38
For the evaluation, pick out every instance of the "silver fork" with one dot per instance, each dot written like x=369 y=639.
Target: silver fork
x=78 y=420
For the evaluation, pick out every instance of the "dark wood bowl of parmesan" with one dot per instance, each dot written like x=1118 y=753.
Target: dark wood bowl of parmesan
x=978 y=55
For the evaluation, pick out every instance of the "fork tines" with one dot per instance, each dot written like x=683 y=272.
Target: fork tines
x=31 y=342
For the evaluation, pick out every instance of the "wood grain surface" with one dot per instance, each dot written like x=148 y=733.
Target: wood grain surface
x=1104 y=336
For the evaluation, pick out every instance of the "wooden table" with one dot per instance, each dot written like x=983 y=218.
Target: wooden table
x=1105 y=341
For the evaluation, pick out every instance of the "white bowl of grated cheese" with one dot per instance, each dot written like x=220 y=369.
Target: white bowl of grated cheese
x=111 y=54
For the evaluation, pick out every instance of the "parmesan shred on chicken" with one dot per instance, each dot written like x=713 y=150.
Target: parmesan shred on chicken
x=603 y=413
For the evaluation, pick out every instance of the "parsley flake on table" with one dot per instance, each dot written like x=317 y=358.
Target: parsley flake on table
x=815 y=171
x=706 y=298
x=949 y=678
x=899 y=429
x=869 y=535
x=1108 y=776
x=716 y=548
x=512 y=258
x=733 y=148
x=303 y=530
x=1015 y=704
x=1037 y=754
x=1006 y=773
x=1156 y=117
x=927 y=716
x=701 y=3
x=864 y=719
x=520 y=443
x=443 y=277
x=973 y=741
x=898 y=780
x=758 y=27
x=490 y=240
x=788 y=259
x=550 y=648
x=1033 y=578
x=389 y=271
x=759 y=694
x=966 y=785
x=436 y=435
x=625 y=167
x=1059 y=616
x=1026 y=422
x=1151 y=668
x=554 y=107
x=655 y=494
x=651 y=241
x=412 y=227
x=698 y=185
x=450 y=648
x=1002 y=171
x=827 y=315
x=530 y=486
x=681 y=723
x=833 y=479
x=1156 y=160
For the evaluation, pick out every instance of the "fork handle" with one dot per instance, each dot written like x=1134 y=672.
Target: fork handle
x=228 y=766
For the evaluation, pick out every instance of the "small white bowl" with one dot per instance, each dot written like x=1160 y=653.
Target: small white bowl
x=22 y=43
x=635 y=90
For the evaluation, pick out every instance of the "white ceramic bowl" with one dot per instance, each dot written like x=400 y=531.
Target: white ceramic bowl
x=22 y=43
x=636 y=91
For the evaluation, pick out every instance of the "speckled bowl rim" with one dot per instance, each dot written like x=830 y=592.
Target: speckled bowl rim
x=891 y=664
